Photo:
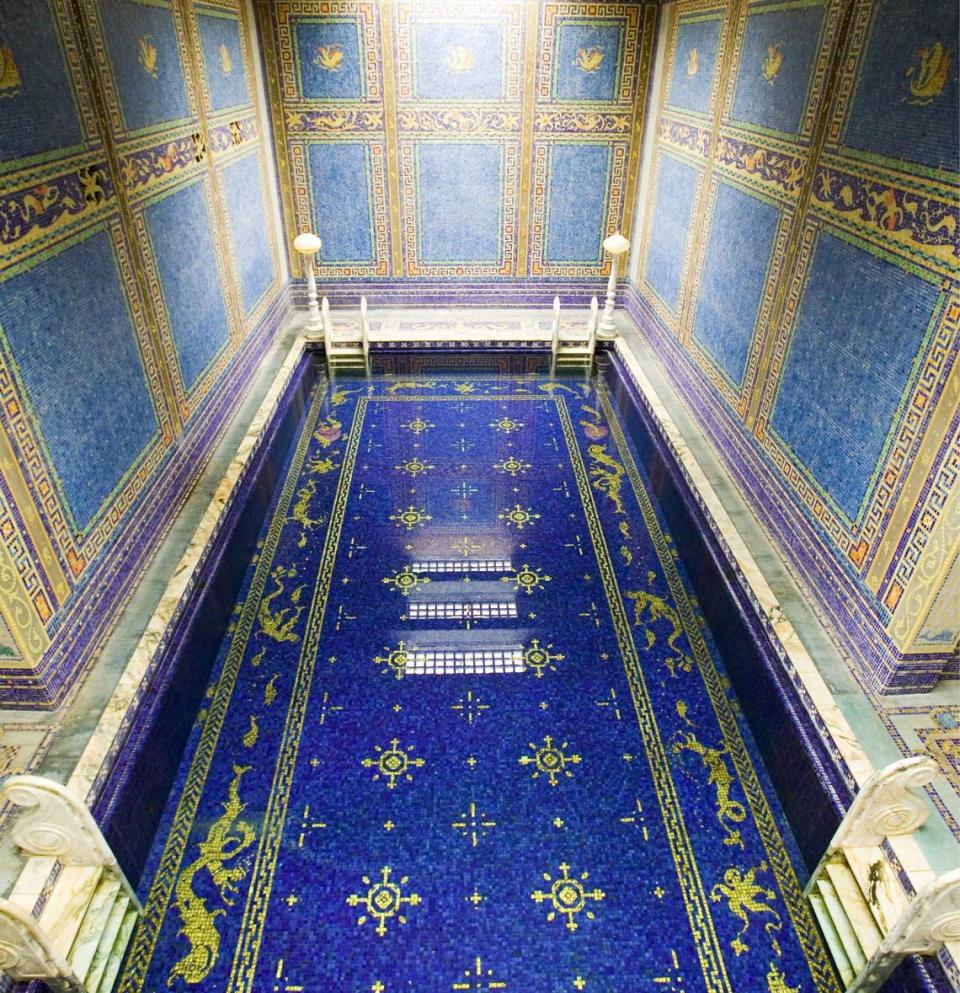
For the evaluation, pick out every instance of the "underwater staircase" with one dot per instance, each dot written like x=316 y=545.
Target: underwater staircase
x=574 y=352
x=868 y=921
x=72 y=911
x=346 y=351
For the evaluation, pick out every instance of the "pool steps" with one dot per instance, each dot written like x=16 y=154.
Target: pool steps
x=345 y=351
x=71 y=912
x=574 y=352
x=867 y=920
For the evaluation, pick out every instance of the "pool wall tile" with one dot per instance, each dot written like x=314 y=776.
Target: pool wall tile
x=810 y=308
x=129 y=133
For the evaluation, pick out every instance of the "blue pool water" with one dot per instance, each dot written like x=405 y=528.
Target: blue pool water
x=468 y=729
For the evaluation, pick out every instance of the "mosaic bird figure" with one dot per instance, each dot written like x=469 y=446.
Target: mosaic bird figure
x=460 y=59
x=328 y=57
x=147 y=54
x=772 y=63
x=589 y=59
x=9 y=74
x=929 y=78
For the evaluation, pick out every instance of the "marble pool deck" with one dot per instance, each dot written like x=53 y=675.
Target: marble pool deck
x=73 y=745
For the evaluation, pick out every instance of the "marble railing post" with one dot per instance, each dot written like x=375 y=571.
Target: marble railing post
x=308 y=245
x=616 y=245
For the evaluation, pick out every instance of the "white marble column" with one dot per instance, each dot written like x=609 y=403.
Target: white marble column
x=617 y=246
x=308 y=245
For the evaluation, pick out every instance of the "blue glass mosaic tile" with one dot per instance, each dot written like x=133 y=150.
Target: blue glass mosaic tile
x=691 y=77
x=462 y=61
x=576 y=211
x=587 y=59
x=340 y=189
x=223 y=60
x=328 y=58
x=243 y=191
x=670 y=227
x=468 y=725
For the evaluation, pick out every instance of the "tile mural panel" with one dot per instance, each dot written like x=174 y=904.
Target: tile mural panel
x=840 y=137
x=497 y=89
x=694 y=62
x=738 y=253
x=575 y=211
x=99 y=202
x=776 y=64
x=243 y=186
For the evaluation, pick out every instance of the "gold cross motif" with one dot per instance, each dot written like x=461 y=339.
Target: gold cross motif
x=479 y=980
x=306 y=826
x=470 y=707
x=474 y=825
x=383 y=900
x=568 y=896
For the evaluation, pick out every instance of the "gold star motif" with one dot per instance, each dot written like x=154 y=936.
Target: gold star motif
x=579 y=983
x=393 y=763
x=480 y=980
x=384 y=899
x=474 y=825
x=568 y=896
x=550 y=760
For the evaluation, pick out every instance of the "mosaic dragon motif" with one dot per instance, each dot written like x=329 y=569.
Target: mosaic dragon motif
x=744 y=897
x=301 y=509
x=729 y=811
x=279 y=624
x=225 y=840
x=647 y=610
x=607 y=475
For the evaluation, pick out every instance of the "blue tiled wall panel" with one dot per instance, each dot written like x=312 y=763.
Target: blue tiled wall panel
x=779 y=50
x=587 y=60
x=340 y=186
x=69 y=330
x=691 y=78
x=223 y=61
x=577 y=202
x=458 y=201
x=741 y=239
x=907 y=101
x=861 y=323
x=676 y=189
x=37 y=111
x=328 y=58
x=145 y=56
x=183 y=247
x=461 y=61
x=249 y=228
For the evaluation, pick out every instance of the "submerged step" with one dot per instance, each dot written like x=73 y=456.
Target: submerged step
x=107 y=940
x=91 y=930
x=842 y=924
x=834 y=943
x=856 y=907
x=68 y=903
x=115 y=959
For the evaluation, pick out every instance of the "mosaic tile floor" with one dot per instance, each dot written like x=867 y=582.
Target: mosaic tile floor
x=468 y=731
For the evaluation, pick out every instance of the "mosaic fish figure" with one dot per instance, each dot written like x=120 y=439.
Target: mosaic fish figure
x=589 y=59
x=147 y=54
x=9 y=73
x=225 y=840
x=328 y=57
x=928 y=79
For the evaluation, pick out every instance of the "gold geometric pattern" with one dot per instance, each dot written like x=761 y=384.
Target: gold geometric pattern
x=411 y=517
x=519 y=517
x=414 y=467
x=418 y=425
x=550 y=760
x=568 y=896
x=540 y=659
x=512 y=465
x=393 y=763
x=395 y=659
x=474 y=825
x=405 y=580
x=506 y=425
x=383 y=900
x=526 y=579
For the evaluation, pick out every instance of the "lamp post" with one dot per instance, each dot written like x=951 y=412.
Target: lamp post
x=616 y=245
x=308 y=245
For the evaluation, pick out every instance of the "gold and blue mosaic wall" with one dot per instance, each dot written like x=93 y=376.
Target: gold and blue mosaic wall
x=442 y=139
x=130 y=142
x=800 y=262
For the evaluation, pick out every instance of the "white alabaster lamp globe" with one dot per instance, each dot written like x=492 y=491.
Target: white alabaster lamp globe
x=307 y=243
x=616 y=244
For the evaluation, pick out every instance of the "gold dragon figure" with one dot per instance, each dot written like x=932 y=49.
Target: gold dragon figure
x=280 y=624
x=729 y=811
x=745 y=896
x=647 y=610
x=225 y=840
x=607 y=475
x=301 y=511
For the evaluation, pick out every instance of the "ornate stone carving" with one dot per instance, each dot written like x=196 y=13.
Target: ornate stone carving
x=25 y=951
x=888 y=804
x=56 y=823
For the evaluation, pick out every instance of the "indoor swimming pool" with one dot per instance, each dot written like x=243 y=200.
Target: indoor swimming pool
x=468 y=727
